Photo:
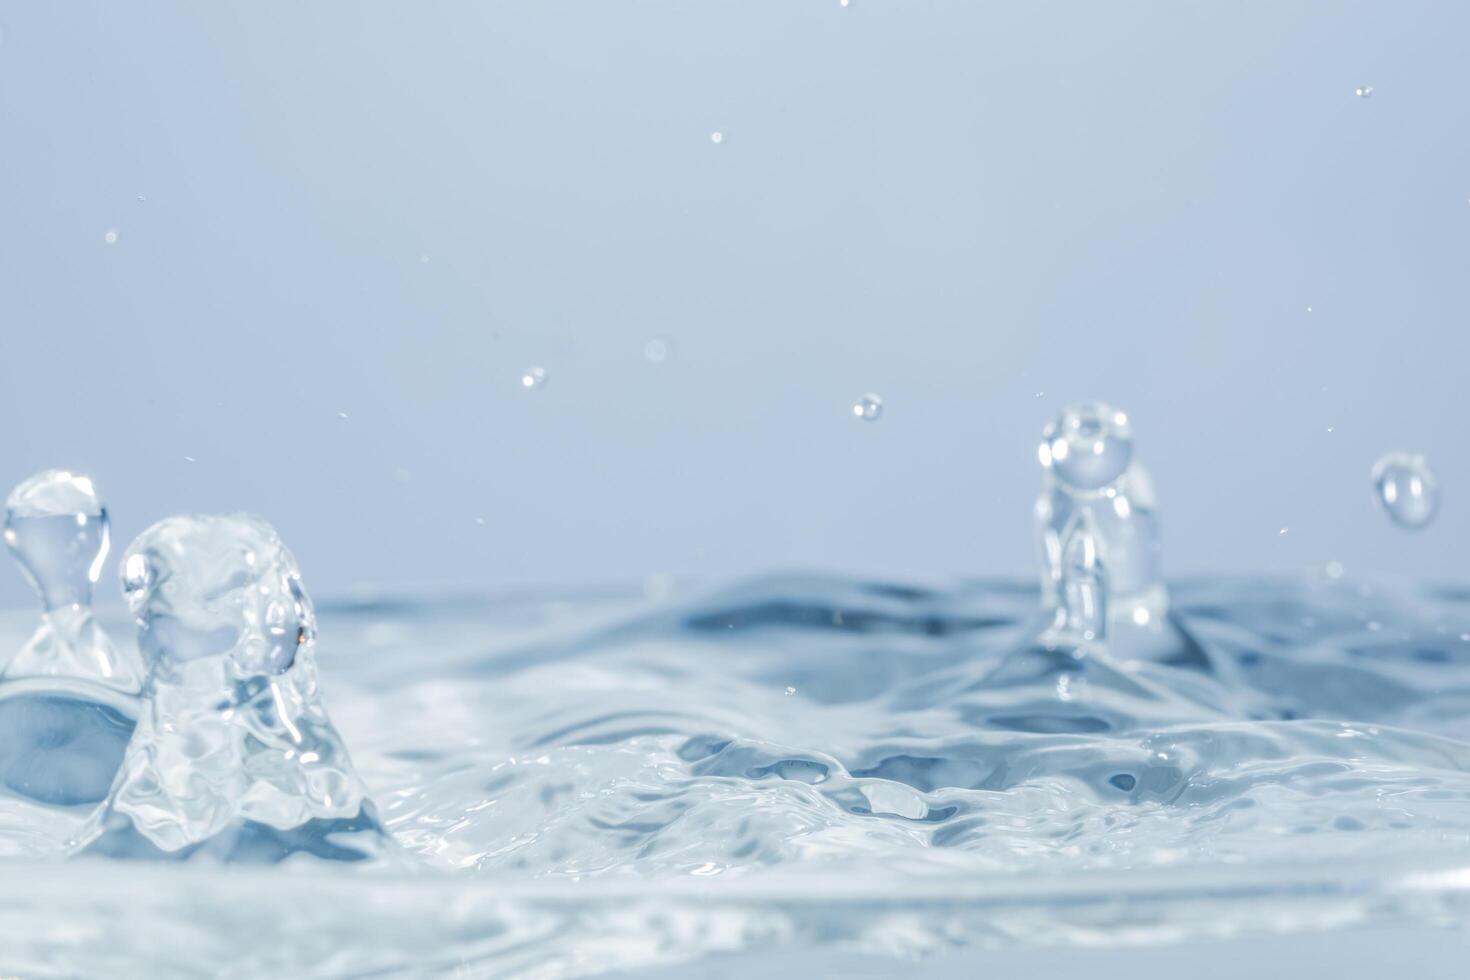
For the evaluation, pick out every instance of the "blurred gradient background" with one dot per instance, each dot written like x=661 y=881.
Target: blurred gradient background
x=978 y=211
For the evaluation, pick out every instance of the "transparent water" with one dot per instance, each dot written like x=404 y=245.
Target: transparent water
x=813 y=765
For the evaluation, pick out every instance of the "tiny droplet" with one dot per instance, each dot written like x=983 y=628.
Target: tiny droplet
x=1406 y=489
x=869 y=408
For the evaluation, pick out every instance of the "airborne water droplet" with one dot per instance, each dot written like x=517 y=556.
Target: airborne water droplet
x=1363 y=91
x=656 y=350
x=110 y=236
x=533 y=377
x=1406 y=489
x=717 y=137
x=869 y=408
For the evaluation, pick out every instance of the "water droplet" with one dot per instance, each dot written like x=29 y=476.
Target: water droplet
x=190 y=459
x=401 y=475
x=869 y=408
x=480 y=521
x=845 y=3
x=717 y=137
x=1406 y=489
x=342 y=416
x=141 y=199
x=1088 y=446
x=110 y=236
x=57 y=529
x=424 y=258
x=1363 y=91
x=1283 y=530
x=656 y=350
x=533 y=377
x=791 y=690
x=1333 y=570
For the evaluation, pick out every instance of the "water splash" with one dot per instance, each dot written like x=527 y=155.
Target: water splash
x=234 y=749
x=57 y=528
x=1092 y=486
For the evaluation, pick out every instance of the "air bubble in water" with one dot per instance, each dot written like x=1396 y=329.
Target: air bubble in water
x=869 y=408
x=1406 y=489
x=1088 y=446
x=533 y=377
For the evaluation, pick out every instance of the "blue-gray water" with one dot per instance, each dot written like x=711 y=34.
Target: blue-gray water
x=809 y=765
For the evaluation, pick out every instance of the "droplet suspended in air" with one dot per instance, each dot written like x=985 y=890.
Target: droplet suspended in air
x=869 y=408
x=1088 y=445
x=717 y=137
x=533 y=377
x=1406 y=489
x=1363 y=91
x=656 y=350
x=110 y=236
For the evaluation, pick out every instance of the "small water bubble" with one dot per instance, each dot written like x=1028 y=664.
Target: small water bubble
x=1333 y=570
x=1406 y=489
x=1283 y=530
x=1363 y=91
x=717 y=137
x=790 y=691
x=844 y=3
x=869 y=408
x=656 y=350
x=110 y=236
x=533 y=377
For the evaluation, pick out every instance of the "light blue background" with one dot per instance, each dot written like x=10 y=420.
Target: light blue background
x=980 y=211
